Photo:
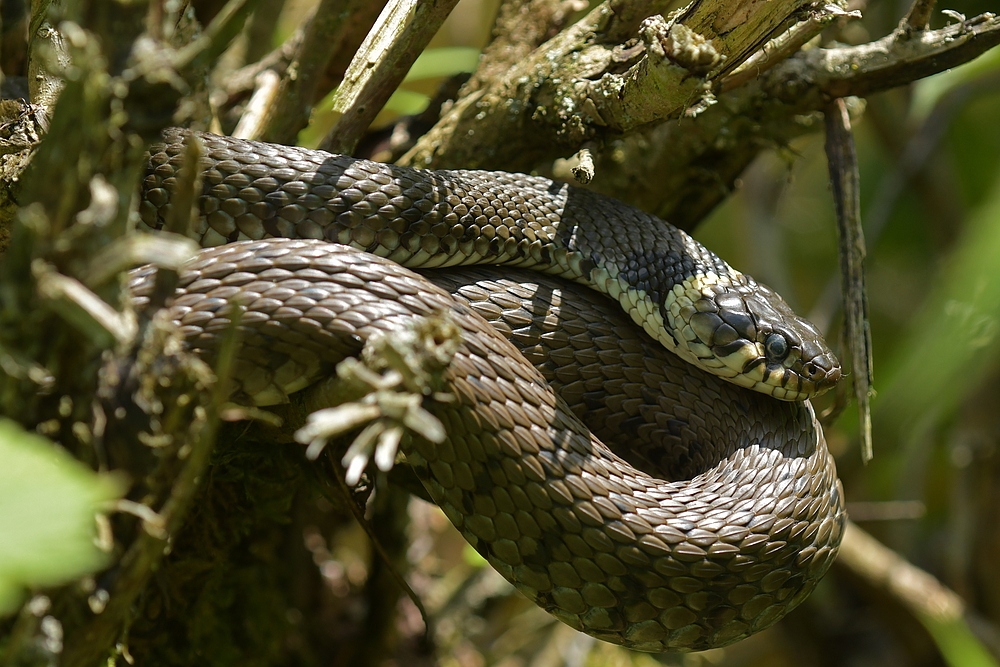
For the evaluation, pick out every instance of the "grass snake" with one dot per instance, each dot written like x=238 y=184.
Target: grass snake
x=716 y=508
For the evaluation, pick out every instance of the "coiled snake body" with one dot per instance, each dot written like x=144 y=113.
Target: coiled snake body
x=745 y=512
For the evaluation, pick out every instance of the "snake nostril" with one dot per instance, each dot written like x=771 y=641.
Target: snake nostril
x=823 y=375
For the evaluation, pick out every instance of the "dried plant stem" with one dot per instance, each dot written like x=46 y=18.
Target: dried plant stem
x=846 y=182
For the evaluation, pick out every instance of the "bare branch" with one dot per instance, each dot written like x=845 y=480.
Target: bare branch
x=322 y=33
x=784 y=46
x=267 y=86
x=846 y=184
x=216 y=37
x=277 y=61
x=919 y=16
x=896 y=60
x=398 y=37
x=580 y=86
x=680 y=171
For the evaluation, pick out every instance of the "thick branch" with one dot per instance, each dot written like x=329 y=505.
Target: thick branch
x=892 y=61
x=682 y=169
x=579 y=86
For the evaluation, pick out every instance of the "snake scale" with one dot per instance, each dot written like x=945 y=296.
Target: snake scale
x=718 y=509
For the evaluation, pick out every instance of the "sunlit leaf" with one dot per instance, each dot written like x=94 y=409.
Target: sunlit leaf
x=48 y=502
x=957 y=644
x=442 y=62
x=927 y=92
x=954 y=341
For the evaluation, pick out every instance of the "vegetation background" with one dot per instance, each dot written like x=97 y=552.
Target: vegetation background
x=262 y=577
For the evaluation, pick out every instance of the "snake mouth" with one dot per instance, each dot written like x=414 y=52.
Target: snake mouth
x=791 y=384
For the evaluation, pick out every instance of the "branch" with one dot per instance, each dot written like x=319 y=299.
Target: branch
x=398 y=37
x=845 y=181
x=582 y=85
x=894 y=60
x=681 y=171
x=322 y=33
x=785 y=45
x=940 y=609
x=919 y=16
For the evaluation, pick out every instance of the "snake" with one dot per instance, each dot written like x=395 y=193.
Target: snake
x=713 y=509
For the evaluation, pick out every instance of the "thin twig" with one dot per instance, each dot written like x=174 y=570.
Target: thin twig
x=245 y=78
x=216 y=37
x=895 y=61
x=919 y=16
x=583 y=172
x=784 y=45
x=322 y=33
x=844 y=177
x=911 y=161
x=921 y=594
x=402 y=31
x=265 y=94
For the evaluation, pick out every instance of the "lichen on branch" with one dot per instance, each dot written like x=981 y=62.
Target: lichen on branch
x=654 y=94
x=599 y=78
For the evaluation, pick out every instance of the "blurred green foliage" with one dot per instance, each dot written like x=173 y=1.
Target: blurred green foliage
x=48 y=503
x=958 y=645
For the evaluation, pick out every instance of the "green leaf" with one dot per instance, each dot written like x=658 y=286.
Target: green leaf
x=953 y=344
x=48 y=501
x=927 y=92
x=442 y=62
x=407 y=102
x=957 y=644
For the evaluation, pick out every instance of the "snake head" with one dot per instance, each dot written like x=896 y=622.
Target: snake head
x=748 y=334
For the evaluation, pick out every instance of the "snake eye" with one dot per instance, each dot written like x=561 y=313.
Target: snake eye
x=776 y=347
